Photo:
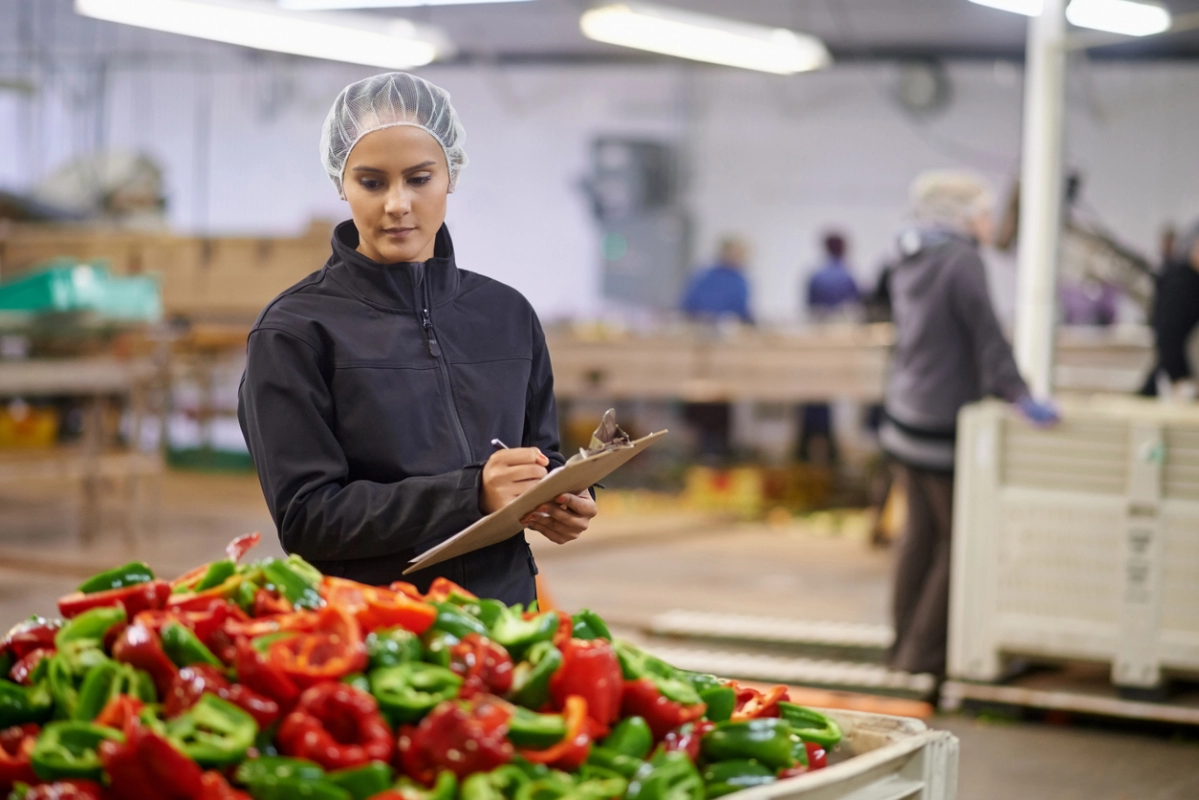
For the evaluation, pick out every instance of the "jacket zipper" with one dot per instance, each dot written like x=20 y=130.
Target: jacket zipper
x=426 y=322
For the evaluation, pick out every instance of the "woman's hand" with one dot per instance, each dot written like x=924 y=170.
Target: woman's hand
x=563 y=520
x=508 y=474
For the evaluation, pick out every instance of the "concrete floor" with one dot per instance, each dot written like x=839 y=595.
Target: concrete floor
x=628 y=569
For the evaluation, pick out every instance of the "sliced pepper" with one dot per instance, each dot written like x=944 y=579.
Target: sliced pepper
x=195 y=681
x=146 y=767
x=392 y=646
x=106 y=682
x=443 y=589
x=531 y=677
x=265 y=677
x=464 y=737
x=623 y=765
x=184 y=648
x=92 y=624
x=19 y=705
x=484 y=666
x=66 y=671
x=140 y=646
x=766 y=740
x=330 y=652
x=437 y=645
x=272 y=787
x=518 y=634
x=726 y=777
x=71 y=750
x=63 y=790
x=362 y=735
x=644 y=698
x=754 y=704
x=720 y=702
x=213 y=732
x=35 y=633
x=589 y=625
x=528 y=729
x=16 y=746
x=134 y=599
x=590 y=670
x=670 y=776
x=812 y=726
x=363 y=782
x=687 y=737
x=455 y=621
x=571 y=751
x=407 y=692
x=376 y=607
x=293 y=581
x=130 y=574
x=254 y=770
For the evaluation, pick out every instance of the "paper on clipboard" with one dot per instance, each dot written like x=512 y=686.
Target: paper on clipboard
x=577 y=475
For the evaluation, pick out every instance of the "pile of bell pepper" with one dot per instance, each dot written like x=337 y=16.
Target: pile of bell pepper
x=266 y=680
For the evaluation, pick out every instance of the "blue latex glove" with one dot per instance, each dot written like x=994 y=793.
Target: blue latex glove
x=1042 y=414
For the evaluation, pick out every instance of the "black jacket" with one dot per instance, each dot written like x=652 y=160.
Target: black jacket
x=370 y=398
x=1175 y=318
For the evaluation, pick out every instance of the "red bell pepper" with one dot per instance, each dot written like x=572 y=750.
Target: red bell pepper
x=330 y=652
x=375 y=607
x=213 y=786
x=136 y=599
x=16 y=743
x=260 y=674
x=755 y=704
x=146 y=767
x=407 y=589
x=643 y=699
x=66 y=790
x=237 y=549
x=590 y=670
x=25 y=666
x=462 y=737
x=141 y=647
x=443 y=588
x=269 y=603
x=120 y=713
x=570 y=753
x=817 y=755
x=192 y=682
x=687 y=738
x=486 y=668
x=338 y=727
x=32 y=634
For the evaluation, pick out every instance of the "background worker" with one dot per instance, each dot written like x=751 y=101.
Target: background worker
x=1175 y=321
x=950 y=351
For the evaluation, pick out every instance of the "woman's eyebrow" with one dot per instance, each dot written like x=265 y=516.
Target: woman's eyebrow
x=421 y=165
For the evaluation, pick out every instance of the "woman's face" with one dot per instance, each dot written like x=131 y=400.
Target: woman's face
x=396 y=182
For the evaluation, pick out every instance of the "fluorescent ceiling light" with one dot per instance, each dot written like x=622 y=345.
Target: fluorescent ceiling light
x=394 y=44
x=1029 y=8
x=704 y=38
x=318 y=5
x=1119 y=16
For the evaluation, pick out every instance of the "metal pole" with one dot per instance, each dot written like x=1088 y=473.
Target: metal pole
x=1041 y=195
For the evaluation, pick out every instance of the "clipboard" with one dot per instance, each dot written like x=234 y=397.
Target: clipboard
x=505 y=523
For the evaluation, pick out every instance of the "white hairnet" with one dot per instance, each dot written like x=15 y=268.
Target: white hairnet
x=950 y=198
x=386 y=101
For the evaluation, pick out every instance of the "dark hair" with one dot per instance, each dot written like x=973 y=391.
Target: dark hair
x=834 y=245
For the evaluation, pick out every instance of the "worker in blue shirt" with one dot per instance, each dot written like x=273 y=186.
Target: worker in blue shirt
x=721 y=290
x=832 y=294
x=714 y=294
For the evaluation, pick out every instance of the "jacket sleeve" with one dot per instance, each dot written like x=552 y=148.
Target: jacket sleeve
x=992 y=354
x=541 y=411
x=287 y=416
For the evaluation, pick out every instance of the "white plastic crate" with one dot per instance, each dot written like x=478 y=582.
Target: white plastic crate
x=1077 y=542
x=891 y=758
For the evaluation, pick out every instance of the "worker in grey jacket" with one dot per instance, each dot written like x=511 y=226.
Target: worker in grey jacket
x=949 y=351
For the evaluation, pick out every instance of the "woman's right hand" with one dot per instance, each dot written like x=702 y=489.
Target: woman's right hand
x=508 y=474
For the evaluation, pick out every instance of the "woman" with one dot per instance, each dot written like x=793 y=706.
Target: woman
x=374 y=387
x=949 y=351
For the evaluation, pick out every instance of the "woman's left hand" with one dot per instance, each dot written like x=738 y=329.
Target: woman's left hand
x=563 y=520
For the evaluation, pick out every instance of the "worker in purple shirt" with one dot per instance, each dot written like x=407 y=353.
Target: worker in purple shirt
x=832 y=293
x=717 y=293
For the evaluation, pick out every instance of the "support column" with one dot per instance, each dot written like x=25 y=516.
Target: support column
x=1041 y=195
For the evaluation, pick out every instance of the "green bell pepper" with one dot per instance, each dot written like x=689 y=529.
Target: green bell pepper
x=130 y=574
x=293 y=582
x=517 y=634
x=812 y=726
x=673 y=684
x=392 y=646
x=244 y=595
x=630 y=737
x=589 y=625
x=358 y=681
x=670 y=776
x=213 y=732
x=217 y=573
x=550 y=786
x=531 y=677
x=273 y=787
x=363 y=782
x=457 y=622
x=92 y=624
x=407 y=692
x=437 y=647
x=484 y=610
x=105 y=683
x=501 y=783
x=528 y=729
x=726 y=777
x=623 y=765
x=767 y=740
x=20 y=704
x=281 y=767
x=71 y=750
x=184 y=648
x=721 y=702
x=444 y=788
x=66 y=671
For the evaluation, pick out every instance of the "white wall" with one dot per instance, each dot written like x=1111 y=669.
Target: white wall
x=777 y=159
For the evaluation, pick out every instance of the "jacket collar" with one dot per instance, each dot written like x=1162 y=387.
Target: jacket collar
x=406 y=285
